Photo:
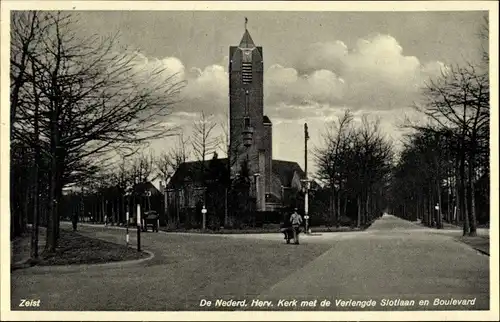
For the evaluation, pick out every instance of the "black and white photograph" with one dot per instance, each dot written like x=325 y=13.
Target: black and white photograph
x=318 y=160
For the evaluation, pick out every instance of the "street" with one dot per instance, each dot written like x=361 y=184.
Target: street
x=393 y=262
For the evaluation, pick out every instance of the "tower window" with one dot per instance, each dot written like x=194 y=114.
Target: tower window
x=246 y=72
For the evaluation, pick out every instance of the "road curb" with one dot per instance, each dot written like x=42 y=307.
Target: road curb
x=80 y=267
x=478 y=249
x=201 y=233
x=481 y=251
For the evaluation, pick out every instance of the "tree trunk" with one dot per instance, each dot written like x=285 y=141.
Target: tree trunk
x=449 y=190
x=359 y=210
x=50 y=245
x=462 y=197
x=334 y=208
x=123 y=209
x=432 y=203
x=58 y=200
x=36 y=163
x=338 y=214
x=225 y=208
x=345 y=207
x=177 y=206
x=458 y=205
x=52 y=224
x=422 y=210
x=439 y=221
x=103 y=210
x=428 y=212
x=35 y=224
x=23 y=219
x=472 y=210
x=418 y=207
x=113 y=210
x=367 y=208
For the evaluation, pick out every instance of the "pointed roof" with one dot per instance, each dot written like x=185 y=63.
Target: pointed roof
x=190 y=171
x=246 y=41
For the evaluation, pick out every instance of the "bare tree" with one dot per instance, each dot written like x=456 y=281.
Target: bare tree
x=330 y=156
x=142 y=167
x=27 y=28
x=92 y=101
x=484 y=35
x=36 y=163
x=355 y=162
x=459 y=103
x=204 y=142
x=168 y=162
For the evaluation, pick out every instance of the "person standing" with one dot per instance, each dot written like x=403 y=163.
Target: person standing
x=296 y=221
x=74 y=221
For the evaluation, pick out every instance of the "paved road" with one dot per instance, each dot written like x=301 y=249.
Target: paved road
x=392 y=260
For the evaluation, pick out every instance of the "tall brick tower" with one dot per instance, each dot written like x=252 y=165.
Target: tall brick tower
x=250 y=134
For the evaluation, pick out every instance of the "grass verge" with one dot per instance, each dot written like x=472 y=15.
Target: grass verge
x=255 y=230
x=75 y=249
x=479 y=243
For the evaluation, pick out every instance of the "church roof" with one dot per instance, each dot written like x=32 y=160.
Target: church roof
x=190 y=172
x=285 y=171
x=142 y=187
x=246 y=40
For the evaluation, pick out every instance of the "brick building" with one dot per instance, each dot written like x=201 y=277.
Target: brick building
x=250 y=139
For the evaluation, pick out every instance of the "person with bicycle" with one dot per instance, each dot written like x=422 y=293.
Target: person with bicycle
x=296 y=221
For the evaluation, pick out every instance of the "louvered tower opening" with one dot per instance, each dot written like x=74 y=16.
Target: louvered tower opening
x=246 y=71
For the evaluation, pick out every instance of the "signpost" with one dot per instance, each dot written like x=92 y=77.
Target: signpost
x=138 y=227
x=204 y=213
x=127 y=215
x=438 y=215
x=306 y=194
x=306 y=217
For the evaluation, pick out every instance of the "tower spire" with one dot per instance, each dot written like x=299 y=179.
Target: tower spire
x=246 y=40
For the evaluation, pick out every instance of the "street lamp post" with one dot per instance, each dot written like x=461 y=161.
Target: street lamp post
x=437 y=215
x=306 y=194
x=127 y=218
x=106 y=213
x=165 y=199
x=204 y=214
x=306 y=204
x=138 y=227
x=127 y=213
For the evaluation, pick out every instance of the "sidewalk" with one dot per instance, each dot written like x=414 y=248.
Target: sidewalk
x=479 y=243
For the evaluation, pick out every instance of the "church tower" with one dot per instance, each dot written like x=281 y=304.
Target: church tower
x=250 y=132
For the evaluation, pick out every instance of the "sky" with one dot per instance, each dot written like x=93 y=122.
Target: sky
x=317 y=64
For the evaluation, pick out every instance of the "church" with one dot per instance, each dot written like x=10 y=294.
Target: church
x=250 y=140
